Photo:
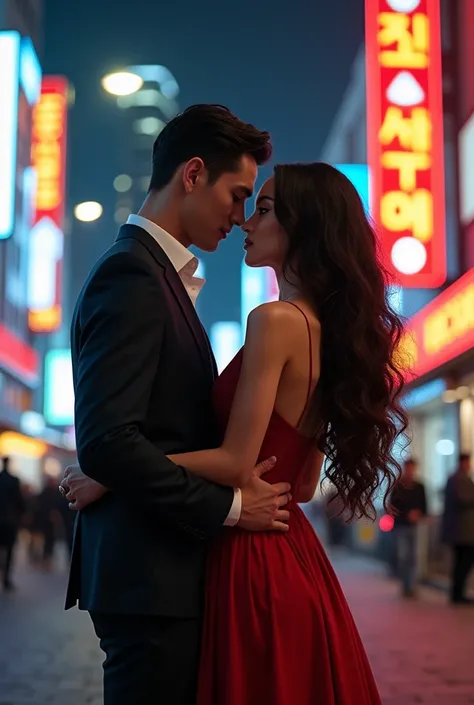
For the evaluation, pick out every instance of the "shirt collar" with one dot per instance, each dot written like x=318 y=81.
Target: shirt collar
x=178 y=255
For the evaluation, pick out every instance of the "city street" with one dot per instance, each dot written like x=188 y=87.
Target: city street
x=421 y=651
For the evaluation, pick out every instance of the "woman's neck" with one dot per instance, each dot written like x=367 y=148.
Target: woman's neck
x=288 y=291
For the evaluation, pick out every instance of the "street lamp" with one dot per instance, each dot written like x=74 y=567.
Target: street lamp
x=128 y=87
x=88 y=211
x=122 y=83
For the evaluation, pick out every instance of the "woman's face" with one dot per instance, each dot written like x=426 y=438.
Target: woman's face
x=266 y=243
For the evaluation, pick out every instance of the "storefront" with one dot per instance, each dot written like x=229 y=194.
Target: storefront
x=35 y=450
x=439 y=348
x=35 y=457
x=434 y=435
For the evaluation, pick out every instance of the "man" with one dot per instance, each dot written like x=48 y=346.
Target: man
x=143 y=376
x=12 y=507
x=458 y=527
x=409 y=502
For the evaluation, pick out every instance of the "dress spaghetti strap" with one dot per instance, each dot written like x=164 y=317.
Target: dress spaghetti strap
x=308 y=394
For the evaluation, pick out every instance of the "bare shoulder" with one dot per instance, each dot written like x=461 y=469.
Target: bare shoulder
x=266 y=325
x=275 y=314
x=269 y=320
x=271 y=313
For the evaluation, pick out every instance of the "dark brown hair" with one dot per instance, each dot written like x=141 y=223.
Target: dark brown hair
x=212 y=133
x=354 y=415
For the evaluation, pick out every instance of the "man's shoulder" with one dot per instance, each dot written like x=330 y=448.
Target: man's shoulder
x=124 y=256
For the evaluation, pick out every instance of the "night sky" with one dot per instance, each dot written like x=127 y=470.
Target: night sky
x=281 y=65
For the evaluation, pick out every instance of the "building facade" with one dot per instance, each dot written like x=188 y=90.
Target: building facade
x=24 y=435
x=440 y=320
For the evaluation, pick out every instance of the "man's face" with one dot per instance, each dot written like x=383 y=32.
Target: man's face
x=210 y=211
x=465 y=466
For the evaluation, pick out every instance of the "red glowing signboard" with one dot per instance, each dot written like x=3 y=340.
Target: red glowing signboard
x=405 y=137
x=18 y=358
x=48 y=156
x=442 y=330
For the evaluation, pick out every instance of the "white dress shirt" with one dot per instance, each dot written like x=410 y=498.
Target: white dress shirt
x=185 y=264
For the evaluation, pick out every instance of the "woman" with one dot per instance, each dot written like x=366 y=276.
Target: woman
x=315 y=378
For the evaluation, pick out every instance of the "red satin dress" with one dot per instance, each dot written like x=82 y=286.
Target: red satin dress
x=277 y=628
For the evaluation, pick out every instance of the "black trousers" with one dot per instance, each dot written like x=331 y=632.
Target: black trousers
x=463 y=561
x=149 y=660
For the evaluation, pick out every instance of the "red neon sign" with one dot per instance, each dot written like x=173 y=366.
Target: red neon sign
x=405 y=137
x=442 y=330
x=48 y=156
x=18 y=358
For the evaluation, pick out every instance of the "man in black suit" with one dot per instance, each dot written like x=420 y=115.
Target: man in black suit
x=12 y=507
x=143 y=376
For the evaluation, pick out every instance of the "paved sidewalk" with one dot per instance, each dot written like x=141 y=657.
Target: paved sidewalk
x=421 y=652
x=47 y=656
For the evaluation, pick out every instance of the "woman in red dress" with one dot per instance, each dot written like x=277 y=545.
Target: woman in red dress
x=316 y=377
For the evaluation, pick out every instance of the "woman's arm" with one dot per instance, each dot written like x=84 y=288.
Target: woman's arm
x=311 y=475
x=266 y=352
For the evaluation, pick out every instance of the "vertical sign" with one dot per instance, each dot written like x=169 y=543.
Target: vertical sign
x=405 y=137
x=46 y=238
x=9 y=87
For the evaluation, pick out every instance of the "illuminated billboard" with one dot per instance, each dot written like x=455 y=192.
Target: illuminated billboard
x=18 y=358
x=442 y=330
x=405 y=137
x=10 y=43
x=20 y=81
x=58 y=388
x=48 y=156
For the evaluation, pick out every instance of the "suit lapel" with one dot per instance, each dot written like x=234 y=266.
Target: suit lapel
x=215 y=371
x=189 y=312
x=178 y=289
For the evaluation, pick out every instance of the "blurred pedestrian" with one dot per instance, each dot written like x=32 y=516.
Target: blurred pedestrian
x=30 y=524
x=409 y=503
x=458 y=527
x=12 y=507
x=336 y=525
x=48 y=519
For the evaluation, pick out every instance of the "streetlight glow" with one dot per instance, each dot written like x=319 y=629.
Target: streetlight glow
x=88 y=211
x=122 y=83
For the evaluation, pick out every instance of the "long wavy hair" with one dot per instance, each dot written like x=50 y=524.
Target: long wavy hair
x=354 y=415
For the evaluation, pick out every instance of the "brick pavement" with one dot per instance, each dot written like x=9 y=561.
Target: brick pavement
x=421 y=652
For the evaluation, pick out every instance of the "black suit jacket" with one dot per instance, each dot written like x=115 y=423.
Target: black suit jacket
x=143 y=375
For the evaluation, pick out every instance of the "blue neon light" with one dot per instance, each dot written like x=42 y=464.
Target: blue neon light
x=226 y=339
x=9 y=83
x=58 y=388
x=358 y=175
x=30 y=72
x=424 y=394
x=253 y=292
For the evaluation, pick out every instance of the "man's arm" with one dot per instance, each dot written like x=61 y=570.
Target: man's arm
x=121 y=321
x=264 y=357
